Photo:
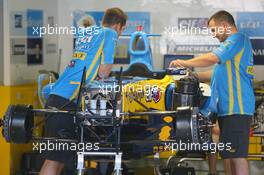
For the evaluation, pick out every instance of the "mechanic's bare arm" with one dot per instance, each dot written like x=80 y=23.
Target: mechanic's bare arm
x=104 y=70
x=204 y=60
x=205 y=75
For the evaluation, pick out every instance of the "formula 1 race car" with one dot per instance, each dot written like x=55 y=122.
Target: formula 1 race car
x=134 y=113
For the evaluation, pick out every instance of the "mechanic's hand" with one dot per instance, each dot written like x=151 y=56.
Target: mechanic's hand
x=178 y=63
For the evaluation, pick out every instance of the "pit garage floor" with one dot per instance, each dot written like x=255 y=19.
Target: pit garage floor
x=201 y=167
x=144 y=167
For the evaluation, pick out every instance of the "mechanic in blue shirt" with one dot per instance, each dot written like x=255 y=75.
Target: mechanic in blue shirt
x=232 y=88
x=94 y=48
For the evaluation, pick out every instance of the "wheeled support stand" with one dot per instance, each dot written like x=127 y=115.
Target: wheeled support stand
x=118 y=160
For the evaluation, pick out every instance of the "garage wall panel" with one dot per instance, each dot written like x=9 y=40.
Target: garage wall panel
x=1 y=44
x=20 y=71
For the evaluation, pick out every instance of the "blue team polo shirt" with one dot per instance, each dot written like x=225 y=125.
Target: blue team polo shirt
x=231 y=81
x=95 y=45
